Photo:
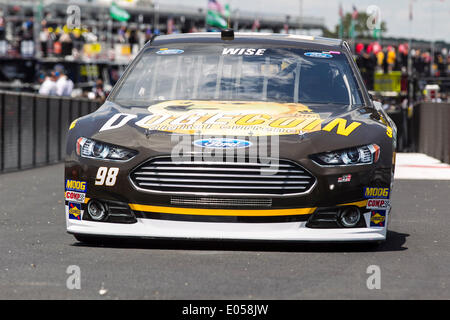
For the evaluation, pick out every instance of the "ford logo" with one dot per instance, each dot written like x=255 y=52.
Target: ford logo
x=222 y=143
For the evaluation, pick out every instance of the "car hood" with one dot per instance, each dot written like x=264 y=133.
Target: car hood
x=315 y=127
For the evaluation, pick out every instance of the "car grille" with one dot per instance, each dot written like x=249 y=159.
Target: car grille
x=221 y=202
x=221 y=178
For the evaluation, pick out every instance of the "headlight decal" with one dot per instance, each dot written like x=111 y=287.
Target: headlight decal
x=352 y=156
x=88 y=148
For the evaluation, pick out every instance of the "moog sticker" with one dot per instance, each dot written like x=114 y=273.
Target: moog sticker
x=376 y=193
x=75 y=185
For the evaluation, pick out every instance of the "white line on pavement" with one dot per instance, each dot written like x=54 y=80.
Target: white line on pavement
x=420 y=166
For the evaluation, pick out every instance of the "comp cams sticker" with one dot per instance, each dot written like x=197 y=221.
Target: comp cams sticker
x=382 y=204
x=75 y=196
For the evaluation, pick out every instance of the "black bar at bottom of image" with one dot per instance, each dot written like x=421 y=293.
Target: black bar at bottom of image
x=231 y=309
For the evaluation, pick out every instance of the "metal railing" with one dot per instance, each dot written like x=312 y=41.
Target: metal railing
x=33 y=128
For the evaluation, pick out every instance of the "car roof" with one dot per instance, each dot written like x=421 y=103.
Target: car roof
x=304 y=41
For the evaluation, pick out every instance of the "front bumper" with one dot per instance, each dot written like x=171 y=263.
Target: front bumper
x=287 y=231
x=155 y=216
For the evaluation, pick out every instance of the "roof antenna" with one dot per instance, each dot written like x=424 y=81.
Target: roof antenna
x=227 y=34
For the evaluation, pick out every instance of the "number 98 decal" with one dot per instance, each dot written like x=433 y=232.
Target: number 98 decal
x=106 y=176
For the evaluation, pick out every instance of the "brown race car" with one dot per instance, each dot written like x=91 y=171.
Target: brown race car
x=233 y=136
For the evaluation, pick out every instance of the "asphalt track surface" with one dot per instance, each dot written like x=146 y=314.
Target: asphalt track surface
x=35 y=251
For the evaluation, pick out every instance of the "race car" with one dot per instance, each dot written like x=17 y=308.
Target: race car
x=236 y=136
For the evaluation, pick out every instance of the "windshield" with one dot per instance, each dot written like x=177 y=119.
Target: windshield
x=238 y=73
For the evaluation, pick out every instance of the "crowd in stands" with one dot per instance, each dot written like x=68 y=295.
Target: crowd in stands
x=56 y=40
x=87 y=42
x=373 y=58
x=63 y=42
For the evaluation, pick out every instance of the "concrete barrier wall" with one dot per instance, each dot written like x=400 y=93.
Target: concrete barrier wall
x=33 y=128
x=433 y=121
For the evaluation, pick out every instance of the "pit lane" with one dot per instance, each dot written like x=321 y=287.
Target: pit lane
x=36 y=251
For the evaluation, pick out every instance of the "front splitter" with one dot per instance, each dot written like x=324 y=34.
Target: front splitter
x=289 y=231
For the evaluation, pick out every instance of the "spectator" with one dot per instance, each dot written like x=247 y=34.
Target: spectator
x=390 y=58
x=133 y=37
x=98 y=90
x=41 y=78
x=2 y=26
x=43 y=38
x=66 y=44
x=148 y=35
x=48 y=87
x=64 y=85
x=89 y=36
x=380 y=59
x=403 y=57
x=50 y=41
x=78 y=42
x=122 y=37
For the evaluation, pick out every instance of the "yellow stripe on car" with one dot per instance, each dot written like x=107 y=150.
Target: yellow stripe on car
x=362 y=203
x=234 y=212
x=222 y=212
